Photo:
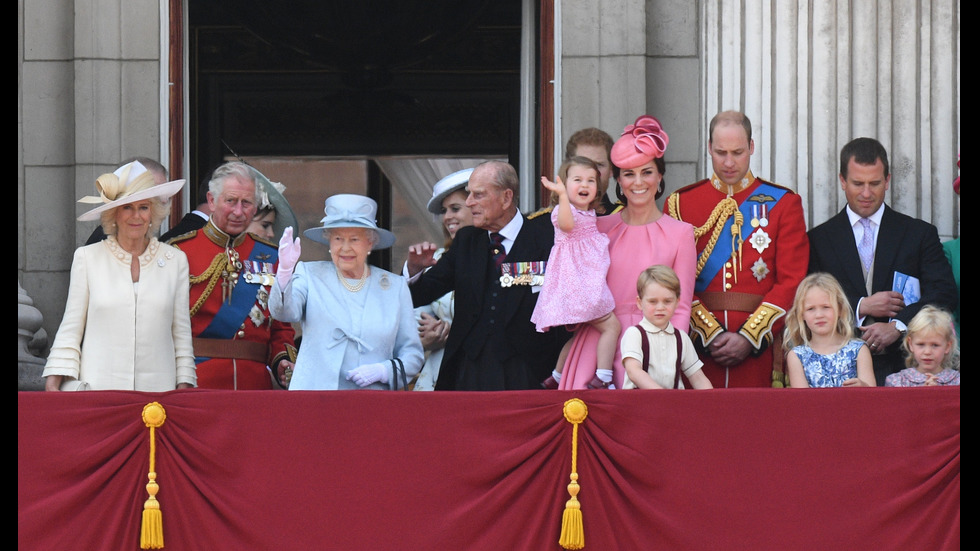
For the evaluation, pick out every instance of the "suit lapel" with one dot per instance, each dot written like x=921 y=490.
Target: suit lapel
x=891 y=234
x=526 y=247
x=842 y=238
x=478 y=253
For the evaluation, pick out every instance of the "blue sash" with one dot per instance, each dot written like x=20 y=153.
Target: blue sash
x=229 y=317
x=765 y=194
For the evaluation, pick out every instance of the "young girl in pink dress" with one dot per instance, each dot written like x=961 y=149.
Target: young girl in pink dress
x=575 y=291
x=640 y=235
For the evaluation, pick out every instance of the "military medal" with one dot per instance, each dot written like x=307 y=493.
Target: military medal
x=760 y=240
x=256 y=315
x=522 y=273
x=259 y=273
x=755 y=216
x=764 y=218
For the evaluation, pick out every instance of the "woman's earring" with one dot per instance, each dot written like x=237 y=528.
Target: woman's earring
x=619 y=194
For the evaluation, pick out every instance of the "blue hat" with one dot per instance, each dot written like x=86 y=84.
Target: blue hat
x=347 y=210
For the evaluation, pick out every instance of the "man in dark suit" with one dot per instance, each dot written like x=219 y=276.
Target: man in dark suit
x=195 y=219
x=492 y=344
x=899 y=249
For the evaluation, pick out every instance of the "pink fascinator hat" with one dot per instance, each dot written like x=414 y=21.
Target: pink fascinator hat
x=640 y=143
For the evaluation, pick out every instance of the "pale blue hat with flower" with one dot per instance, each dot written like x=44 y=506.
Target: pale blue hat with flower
x=346 y=210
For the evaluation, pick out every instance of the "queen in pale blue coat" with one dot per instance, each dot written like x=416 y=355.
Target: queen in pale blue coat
x=357 y=320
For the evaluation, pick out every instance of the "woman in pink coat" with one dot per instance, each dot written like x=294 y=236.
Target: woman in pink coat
x=640 y=235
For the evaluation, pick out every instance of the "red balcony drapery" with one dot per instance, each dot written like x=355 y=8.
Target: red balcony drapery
x=746 y=469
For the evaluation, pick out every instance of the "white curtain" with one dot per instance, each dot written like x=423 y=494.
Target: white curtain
x=414 y=177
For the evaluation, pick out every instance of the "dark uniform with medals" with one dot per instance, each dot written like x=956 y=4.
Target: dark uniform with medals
x=235 y=338
x=492 y=344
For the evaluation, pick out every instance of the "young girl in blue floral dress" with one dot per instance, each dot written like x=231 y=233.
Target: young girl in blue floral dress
x=819 y=338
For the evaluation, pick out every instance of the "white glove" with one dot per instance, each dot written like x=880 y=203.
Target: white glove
x=288 y=257
x=369 y=373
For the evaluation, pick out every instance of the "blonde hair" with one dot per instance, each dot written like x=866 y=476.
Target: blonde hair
x=933 y=320
x=579 y=160
x=159 y=209
x=796 y=331
x=660 y=274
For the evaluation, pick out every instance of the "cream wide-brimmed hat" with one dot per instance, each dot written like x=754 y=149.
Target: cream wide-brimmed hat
x=446 y=186
x=346 y=210
x=127 y=184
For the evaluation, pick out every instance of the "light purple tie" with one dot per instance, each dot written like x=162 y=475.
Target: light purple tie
x=867 y=247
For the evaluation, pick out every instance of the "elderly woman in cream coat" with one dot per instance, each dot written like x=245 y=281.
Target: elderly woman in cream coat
x=126 y=324
x=358 y=324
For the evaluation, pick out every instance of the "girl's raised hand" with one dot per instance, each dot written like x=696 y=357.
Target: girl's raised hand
x=558 y=188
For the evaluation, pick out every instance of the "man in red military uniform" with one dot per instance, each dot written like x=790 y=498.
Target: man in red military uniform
x=231 y=272
x=752 y=254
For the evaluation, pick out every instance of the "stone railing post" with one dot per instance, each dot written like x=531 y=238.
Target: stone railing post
x=30 y=337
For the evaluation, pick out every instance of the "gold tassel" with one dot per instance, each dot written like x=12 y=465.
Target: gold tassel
x=151 y=531
x=572 y=532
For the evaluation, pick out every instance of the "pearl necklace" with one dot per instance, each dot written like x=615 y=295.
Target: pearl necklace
x=357 y=286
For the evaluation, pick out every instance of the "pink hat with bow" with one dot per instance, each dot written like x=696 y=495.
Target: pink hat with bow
x=640 y=143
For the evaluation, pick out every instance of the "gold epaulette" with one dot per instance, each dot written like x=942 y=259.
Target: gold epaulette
x=539 y=212
x=261 y=239
x=704 y=324
x=758 y=328
x=678 y=191
x=774 y=184
x=182 y=237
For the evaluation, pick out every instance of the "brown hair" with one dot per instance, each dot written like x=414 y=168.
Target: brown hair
x=730 y=117
x=588 y=136
x=663 y=275
x=579 y=160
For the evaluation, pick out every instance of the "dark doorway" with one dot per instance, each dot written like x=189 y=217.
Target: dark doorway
x=301 y=87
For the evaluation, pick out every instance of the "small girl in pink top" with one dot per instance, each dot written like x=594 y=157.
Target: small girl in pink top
x=575 y=290
x=931 y=351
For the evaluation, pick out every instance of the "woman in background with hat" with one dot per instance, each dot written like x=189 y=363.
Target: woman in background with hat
x=639 y=236
x=358 y=324
x=449 y=202
x=126 y=324
x=273 y=214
